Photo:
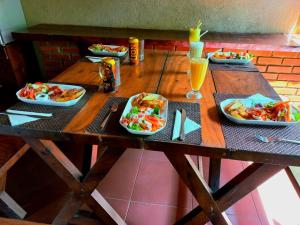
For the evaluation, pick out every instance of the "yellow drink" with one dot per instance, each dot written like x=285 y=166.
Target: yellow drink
x=198 y=72
x=194 y=34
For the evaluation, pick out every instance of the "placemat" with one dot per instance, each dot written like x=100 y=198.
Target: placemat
x=61 y=115
x=249 y=67
x=242 y=137
x=165 y=135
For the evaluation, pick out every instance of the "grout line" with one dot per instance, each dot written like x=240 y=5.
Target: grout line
x=139 y=166
x=162 y=72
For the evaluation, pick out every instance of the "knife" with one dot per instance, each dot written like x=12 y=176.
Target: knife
x=182 y=132
x=27 y=113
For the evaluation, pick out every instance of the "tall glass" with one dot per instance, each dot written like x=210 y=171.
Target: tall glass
x=198 y=72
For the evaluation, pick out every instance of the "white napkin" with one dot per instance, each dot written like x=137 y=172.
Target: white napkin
x=16 y=120
x=189 y=125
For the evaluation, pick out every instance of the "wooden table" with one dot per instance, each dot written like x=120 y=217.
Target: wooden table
x=164 y=73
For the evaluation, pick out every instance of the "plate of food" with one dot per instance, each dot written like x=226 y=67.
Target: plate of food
x=260 y=110
x=145 y=114
x=230 y=57
x=108 y=50
x=50 y=94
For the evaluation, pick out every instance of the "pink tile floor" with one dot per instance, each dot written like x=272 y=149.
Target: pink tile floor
x=145 y=189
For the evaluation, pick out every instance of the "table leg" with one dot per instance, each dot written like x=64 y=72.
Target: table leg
x=189 y=173
x=82 y=191
x=214 y=173
x=242 y=184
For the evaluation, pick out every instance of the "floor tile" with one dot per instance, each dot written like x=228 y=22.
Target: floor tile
x=229 y=169
x=119 y=182
x=244 y=207
x=152 y=214
x=242 y=220
x=277 y=202
x=154 y=155
x=158 y=182
x=120 y=206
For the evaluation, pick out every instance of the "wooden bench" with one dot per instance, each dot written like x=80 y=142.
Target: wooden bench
x=10 y=153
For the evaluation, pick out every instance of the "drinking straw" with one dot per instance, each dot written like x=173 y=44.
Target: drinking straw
x=203 y=33
x=199 y=23
x=212 y=53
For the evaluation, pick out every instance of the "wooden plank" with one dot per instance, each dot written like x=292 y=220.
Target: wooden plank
x=191 y=176
x=106 y=214
x=143 y=77
x=241 y=185
x=10 y=207
x=214 y=173
x=57 y=162
x=18 y=222
x=13 y=159
x=240 y=82
x=175 y=84
x=69 y=209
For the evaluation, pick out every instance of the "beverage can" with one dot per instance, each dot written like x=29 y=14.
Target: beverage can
x=134 y=50
x=141 y=50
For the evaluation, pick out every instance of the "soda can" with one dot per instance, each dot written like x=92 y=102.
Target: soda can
x=134 y=50
x=141 y=50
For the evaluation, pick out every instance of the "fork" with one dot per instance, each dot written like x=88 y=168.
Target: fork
x=274 y=139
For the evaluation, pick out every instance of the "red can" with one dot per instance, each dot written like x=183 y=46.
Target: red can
x=134 y=50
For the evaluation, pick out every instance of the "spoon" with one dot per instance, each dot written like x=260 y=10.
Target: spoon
x=113 y=108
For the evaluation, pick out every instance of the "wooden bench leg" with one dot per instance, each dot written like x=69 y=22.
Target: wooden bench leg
x=214 y=173
x=82 y=191
x=191 y=176
x=241 y=185
x=8 y=206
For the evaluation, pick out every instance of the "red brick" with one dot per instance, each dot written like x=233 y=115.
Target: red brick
x=269 y=61
x=48 y=49
x=289 y=77
x=294 y=85
x=60 y=56
x=278 y=83
x=270 y=76
x=294 y=98
x=55 y=63
x=254 y=60
x=148 y=45
x=261 y=68
x=296 y=69
x=260 y=53
x=165 y=47
x=295 y=62
x=286 y=91
x=280 y=69
x=70 y=49
x=286 y=54
x=75 y=57
x=182 y=48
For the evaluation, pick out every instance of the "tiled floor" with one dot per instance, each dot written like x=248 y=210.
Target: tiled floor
x=144 y=189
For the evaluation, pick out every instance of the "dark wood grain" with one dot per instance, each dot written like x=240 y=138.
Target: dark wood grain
x=73 y=32
x=242 y=184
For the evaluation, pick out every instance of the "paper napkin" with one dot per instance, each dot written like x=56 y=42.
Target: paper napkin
x=189 y=125
x=16 y=120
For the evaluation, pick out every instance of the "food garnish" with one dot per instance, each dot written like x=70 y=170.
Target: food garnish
x=106 y=48
x=233 y=55
x=55 y=93
x=280 y=111
x=145 y=114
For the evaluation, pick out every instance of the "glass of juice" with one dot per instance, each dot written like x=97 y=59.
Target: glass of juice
x=198 y=72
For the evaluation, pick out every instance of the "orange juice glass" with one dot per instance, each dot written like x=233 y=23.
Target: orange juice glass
x=198 y=72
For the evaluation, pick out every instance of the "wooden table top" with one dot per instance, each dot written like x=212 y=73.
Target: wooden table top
x=164 y=73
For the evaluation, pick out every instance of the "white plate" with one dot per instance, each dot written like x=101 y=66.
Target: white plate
x=106 y=53
x=227 y=61
x=45 y=100
x=128 y=107
x=249 y=103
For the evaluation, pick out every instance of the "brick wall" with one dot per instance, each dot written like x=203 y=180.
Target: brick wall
x=280 y=68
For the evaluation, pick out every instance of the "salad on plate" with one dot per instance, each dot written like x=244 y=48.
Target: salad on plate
x=145 y=113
